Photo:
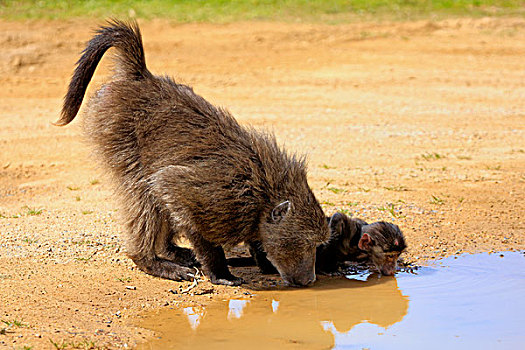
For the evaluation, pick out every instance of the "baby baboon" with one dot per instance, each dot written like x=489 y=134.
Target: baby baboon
x=351 y=239
x=185 y=167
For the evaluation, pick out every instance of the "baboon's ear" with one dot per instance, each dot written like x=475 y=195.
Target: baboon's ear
x=366 y=242
x=336 y=224
x=280 y=211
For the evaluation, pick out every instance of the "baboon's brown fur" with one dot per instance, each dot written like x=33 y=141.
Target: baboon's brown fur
x=184 y=166
x=351 y=239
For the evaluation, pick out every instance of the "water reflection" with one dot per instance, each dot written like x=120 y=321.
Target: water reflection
x=275 y=305
x=472 y=302
x=285 y=318
x=469 y=302
x=236 y=308
x=194 y=316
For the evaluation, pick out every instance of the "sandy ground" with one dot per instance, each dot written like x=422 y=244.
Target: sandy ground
x=418 y=123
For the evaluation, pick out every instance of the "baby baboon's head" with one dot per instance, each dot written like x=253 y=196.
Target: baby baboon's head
x=383 y=242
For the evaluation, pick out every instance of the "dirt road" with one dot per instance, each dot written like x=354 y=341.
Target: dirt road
x=418 y=123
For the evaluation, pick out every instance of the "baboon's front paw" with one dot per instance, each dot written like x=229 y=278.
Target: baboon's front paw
x=231 y=281
x=182 y=274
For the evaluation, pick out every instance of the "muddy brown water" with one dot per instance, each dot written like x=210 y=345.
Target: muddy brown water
x=470 y=301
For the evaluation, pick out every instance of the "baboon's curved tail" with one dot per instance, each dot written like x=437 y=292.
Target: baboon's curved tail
x=126 y=38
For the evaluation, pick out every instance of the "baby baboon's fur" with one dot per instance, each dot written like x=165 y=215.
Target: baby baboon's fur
x=184 y=166
x=353 y=239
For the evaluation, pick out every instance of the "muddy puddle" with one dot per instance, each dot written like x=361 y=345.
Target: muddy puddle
x=468 y=302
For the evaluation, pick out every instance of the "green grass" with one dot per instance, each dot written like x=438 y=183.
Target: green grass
x=84 y=259
x=493 y=167
x=436 y=200
x=391 y=208
x=336 y=190
x=84 y=344
x=82 y=242
x=462 y=157
x=325 y=166
x=58 y=345
x=14 y=323
x=345 y=211
x=29 y=240
x=363 y=189
x=397 y=188
x=222 y=11
x=432 y=156
x=32 y=211
x=29 y=211
x=124 y=279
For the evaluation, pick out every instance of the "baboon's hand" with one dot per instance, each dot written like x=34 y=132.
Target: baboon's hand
x=232 y=281
x=181 y=274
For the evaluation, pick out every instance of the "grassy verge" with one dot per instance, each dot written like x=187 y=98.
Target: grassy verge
x=221 y=11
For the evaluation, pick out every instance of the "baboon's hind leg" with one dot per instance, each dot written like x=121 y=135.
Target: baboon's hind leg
x=148 y=235
x=165 y=247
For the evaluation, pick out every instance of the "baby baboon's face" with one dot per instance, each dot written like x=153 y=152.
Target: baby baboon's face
x=383 y=242
x=386 y=262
